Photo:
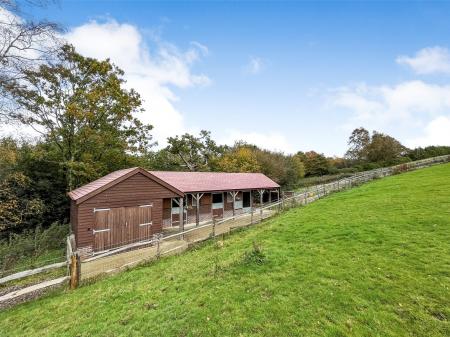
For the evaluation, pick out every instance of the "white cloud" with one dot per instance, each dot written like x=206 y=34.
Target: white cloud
x=378 y=106
x=152 y=70
x=274 y=141
x=254 y=66
x=436 y=132
x=431 y=60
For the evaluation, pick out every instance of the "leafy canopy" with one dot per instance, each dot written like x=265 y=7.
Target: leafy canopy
x=80 y=107
x=194 y=153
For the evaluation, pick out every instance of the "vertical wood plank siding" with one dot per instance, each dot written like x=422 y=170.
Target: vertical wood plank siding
x=135 y=191
x=73 y=216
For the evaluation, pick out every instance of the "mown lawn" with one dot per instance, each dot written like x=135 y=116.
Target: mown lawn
x=373 y=261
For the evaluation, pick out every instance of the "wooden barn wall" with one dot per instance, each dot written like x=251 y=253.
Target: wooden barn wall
x=205 y=206
x=73 y=216
x=134 y=191
x=227 y=205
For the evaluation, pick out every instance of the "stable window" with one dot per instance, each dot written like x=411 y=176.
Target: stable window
x=217 y=200
x=175 y=203
x=175 y=206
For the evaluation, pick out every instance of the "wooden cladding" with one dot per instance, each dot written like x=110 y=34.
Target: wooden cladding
x=135 y=191
x=118 y=226
x=133 y=209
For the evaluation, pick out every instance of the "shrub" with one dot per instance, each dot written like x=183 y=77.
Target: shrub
x=25 y=248
x=399 y=169
x=254 y=256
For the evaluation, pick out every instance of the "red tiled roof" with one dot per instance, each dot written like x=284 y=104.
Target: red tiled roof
x=214 y=181
x=96 y=184
x=184 y=181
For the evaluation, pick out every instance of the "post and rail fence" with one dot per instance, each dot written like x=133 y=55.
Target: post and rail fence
x=162 y=245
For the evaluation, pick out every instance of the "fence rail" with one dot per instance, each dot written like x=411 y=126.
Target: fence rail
x=129 y=255
x=30 y=272
x=135 y=253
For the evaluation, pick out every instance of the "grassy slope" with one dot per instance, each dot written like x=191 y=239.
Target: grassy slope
x=374 y=261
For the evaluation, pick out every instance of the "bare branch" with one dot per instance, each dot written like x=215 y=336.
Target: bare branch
x=24 y=45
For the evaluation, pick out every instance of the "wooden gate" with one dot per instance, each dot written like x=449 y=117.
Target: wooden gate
x=116 y=227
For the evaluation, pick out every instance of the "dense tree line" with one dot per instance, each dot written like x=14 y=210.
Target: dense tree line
x=88 y=125
x=34 y=175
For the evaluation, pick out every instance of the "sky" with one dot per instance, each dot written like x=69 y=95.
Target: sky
x=289 y=76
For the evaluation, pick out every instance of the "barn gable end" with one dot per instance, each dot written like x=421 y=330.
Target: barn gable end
x=135 y=190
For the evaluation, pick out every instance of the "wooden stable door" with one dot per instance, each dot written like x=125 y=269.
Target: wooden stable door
x=102 y=229
x=116 y=227
x=139 y=222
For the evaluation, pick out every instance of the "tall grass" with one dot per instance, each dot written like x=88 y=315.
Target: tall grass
x=33 y=248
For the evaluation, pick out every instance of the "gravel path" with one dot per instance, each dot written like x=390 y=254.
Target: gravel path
x=20 y=294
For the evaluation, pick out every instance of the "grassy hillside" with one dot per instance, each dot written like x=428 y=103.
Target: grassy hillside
x=373 y=261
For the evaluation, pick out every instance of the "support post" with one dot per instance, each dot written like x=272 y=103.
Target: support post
x=157 y=238
x=158 y=248
x=278 y=199
x=197 y=206
x=251 y=207
x=74 y=271
x=261 y=192
x=233 y=195
x=197 y=197
x=171 y=214
x=181 y=214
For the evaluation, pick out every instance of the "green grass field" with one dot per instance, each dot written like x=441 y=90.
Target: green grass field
x=373 y=261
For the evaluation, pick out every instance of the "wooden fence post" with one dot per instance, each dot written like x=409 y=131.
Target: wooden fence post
x=74 y=270
x=158 y=247
x=157 y=237
x=261 y=192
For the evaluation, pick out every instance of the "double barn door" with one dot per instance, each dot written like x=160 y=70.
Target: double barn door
x=114 y=227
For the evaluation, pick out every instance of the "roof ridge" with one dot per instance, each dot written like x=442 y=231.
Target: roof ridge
x=182 y=181
x=209 y=172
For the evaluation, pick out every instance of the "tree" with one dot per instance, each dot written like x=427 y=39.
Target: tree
x=239 y=159
x=377 y=148
x=195 y=153
x=384 y=149
x=358 y=142
x=295 y=170
x=82 y=111
x=24 y=44
x=316 y=164
x=19 y=206
x=428 y=152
